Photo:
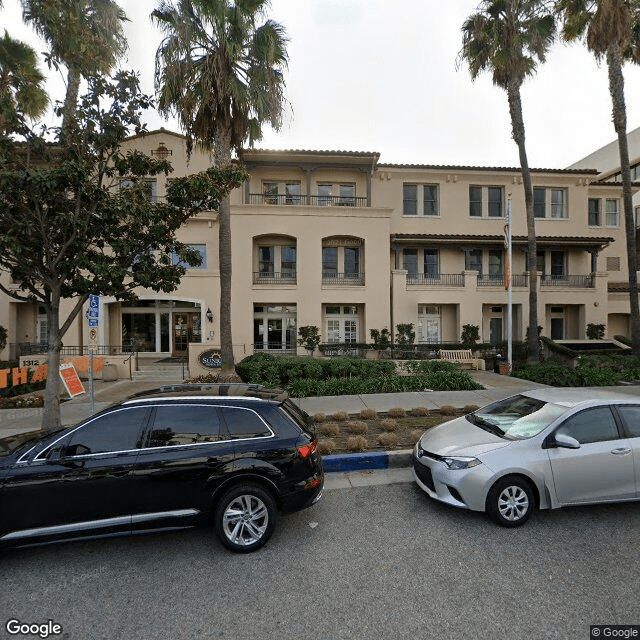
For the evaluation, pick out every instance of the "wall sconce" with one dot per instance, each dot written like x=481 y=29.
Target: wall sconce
x=209 y=315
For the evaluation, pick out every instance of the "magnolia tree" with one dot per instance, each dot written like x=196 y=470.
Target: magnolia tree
x=66 y=228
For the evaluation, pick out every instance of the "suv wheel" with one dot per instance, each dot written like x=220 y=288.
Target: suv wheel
x=245 y=517
x=510 y=502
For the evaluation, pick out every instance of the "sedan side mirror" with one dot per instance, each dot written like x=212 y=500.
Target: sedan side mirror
x=565 y=441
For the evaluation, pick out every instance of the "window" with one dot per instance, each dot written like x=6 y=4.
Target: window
x=431 y=267
x=594 y=212
x=324 y=195
x=612 y=212
x=270 y=191
x=475 y=202
x=558 y=203
x=149 y=186
x=496 y=263
x=558 y=261
x=410 y=199
x=352 y=261
x=288 y=261
x=266 y=260
x=430 y=199
x=592 y=425
x=277 y=192
x=181 y=424
x=117 y=431
x=244 y=423
x=541 y=266
x=347 y=195
x=342 y=261
x=329 y=261
x=275 y=262
x=539 y=202
x=341 y=323
x=495 y=202
x=410 y=257
x=201 y=249
x=631 y=417
x=341 y=194
x=473 y=260
x=292 y=193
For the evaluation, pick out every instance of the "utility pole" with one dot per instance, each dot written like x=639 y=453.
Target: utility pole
x=507 y=285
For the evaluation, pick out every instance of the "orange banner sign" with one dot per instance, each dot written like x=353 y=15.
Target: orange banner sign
x=72 y=382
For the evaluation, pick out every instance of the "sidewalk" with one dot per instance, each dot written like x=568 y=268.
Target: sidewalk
x=496 y=387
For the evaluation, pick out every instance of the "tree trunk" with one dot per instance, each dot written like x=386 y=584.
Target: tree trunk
x=51 y=412
x=517 y=127
x=222 y=153
x=70 y=100
x=616 y=88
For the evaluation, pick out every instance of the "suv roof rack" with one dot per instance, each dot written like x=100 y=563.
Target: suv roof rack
x=216 y=389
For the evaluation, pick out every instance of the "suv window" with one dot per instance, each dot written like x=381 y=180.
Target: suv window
x=592 y=425
x=244 y=423
x=631 y=417
x=179 y=424
x=118 y=430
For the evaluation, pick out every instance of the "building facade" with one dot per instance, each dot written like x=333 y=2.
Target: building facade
x=341 y=241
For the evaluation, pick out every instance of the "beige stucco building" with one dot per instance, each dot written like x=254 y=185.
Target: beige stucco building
x=342 y=241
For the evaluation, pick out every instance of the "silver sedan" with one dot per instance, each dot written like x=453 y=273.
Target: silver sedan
x=547 y=448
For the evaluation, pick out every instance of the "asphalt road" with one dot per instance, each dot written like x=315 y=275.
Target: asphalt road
x=372 y=562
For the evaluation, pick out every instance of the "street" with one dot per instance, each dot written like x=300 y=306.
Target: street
x=368 y=562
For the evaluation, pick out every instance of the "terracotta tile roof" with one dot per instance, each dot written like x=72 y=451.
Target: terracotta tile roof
x=452 y=167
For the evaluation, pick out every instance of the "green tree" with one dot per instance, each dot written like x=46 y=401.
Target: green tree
x=611 y=29
x=508 y=38
x=86 y=36
x=22 y=90
x=67 y=230
x=221 y=73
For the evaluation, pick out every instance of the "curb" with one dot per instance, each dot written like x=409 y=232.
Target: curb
x=367 y=461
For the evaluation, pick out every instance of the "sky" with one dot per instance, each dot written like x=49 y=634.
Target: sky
x=381 y=75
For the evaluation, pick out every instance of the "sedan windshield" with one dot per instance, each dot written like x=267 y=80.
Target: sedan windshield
x=516 y=417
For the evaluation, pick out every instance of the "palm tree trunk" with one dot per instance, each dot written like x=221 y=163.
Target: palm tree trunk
x=51 y=412
x=517 y=128
x=222 y=154
x=616 y=88
x=70 y=100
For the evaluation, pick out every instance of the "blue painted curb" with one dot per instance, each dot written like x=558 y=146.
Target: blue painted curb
x=356 y=461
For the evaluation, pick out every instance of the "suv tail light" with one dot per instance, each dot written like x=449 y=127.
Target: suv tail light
x=307 y=449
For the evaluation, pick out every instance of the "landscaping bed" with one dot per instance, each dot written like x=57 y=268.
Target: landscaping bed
x=379 y=431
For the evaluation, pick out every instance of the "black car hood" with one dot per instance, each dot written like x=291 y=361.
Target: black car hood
x=14 y=443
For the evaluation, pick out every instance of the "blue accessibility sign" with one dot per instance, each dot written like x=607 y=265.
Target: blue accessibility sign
x=93 y=314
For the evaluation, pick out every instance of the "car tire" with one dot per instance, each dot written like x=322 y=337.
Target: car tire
x=510 y=502
x=245 y=517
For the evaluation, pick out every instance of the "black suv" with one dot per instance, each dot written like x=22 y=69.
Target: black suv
x=177 y=456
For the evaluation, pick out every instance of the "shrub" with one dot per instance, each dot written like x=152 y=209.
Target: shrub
x=405 y=335
x=330 y=429
x=326 y=446
x=368 y=414
x=468 y=408
x=356 y=443
x=419 y=411
x=448 y=410
x=388 y=440
x=396 y=412
x=470 y=335
x=381 y=338
x=595 y=331
x=415 y=435
x=309 y=338
x=357 y=427
x=319 y=418
x=340 y=416
x=389 y=424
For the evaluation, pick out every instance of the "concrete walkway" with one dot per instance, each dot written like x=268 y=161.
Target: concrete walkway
x=496 y=387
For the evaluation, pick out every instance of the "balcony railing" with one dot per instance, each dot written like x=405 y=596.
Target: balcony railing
x=497 y=280
x=438 y=279
x=315 y=201
x=342 y=279
x=274 y=277
x=574 y=282
x=275 y=348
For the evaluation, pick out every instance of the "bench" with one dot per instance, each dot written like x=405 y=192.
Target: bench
x=461 y=356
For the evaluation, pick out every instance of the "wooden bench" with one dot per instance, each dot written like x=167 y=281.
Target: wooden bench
x=461 y=356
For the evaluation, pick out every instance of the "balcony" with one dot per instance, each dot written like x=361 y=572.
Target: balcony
x=314 y=201
x=572 y=282
x=436 y=279
x=275 y=348
x=497 y=280
x=274 y=277
x=334 y=279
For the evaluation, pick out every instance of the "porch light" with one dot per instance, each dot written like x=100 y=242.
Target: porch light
x=209 y=315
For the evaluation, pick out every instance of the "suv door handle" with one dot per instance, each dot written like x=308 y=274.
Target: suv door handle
x=621 y=452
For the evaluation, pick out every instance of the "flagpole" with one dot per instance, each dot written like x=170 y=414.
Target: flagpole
x=509 y=287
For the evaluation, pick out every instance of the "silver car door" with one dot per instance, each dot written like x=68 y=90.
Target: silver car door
x=630 y=415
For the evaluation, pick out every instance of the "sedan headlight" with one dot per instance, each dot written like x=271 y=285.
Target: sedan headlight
x=460 y=462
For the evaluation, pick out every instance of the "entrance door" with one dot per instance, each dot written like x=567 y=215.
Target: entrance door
x=495 y=330
x=186 y=329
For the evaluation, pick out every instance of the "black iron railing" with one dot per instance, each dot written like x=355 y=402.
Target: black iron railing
x=274 y=277
x=315 y=201
x=438 y=280
x=575 y=282
x=342 y=279
x=275 y=348
x=497 y=280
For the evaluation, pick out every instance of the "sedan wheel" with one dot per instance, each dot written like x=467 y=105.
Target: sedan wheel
x=510 y=502
x=245 y=517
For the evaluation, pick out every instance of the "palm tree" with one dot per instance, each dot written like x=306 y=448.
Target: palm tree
x=84 y=35
x=221 y=73
x=611 y=28
x=21 y=84
x=508 y=38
